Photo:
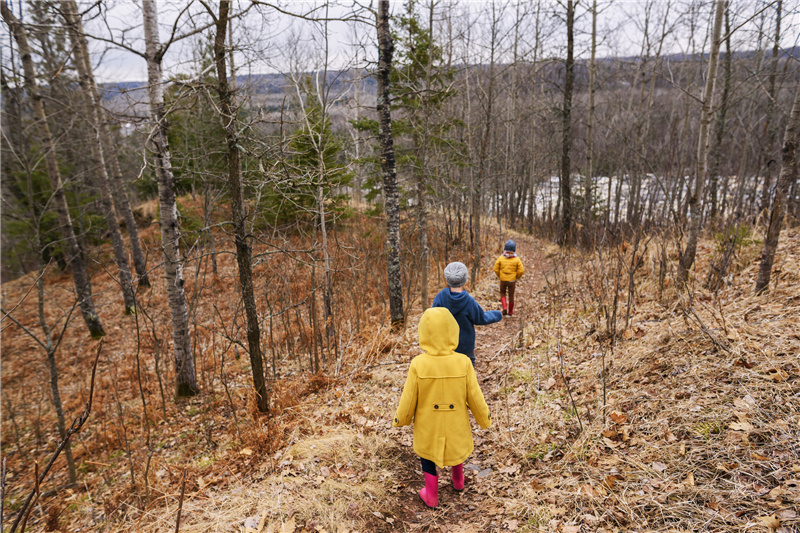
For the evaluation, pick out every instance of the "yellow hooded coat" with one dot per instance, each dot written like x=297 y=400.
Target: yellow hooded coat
x=509 y=268
x=440 y=389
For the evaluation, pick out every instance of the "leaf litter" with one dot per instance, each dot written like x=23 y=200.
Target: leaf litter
x=700 y=428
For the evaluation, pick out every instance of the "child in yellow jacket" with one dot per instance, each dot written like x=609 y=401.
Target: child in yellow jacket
x=509 y=269
x=440 y=391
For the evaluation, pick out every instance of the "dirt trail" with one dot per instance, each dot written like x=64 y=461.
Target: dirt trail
x=489 y=477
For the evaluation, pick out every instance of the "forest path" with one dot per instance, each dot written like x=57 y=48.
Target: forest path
x=491 y=470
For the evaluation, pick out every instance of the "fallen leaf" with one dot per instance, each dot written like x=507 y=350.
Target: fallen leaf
x=775 y=493
x=618 y=417
x=288 y=526
x=741 y=426
x=682 y=449
x=770 y=521
x=512 y=524
x=627 y=334
x=611 y=481
x=795 y=468
x=659 y=467
x=690 y=479
x=610 y=443
x=786 y=514
x=588 y=490
x=758 y=457
x=245 y=451
x=610 y=433
x=571 y=529
x=777 y=374
x=535 y=485
x=550 y=384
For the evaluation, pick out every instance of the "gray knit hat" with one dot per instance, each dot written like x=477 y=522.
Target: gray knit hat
x=456 y=274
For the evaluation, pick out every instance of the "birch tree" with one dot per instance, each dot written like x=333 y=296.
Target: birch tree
x=695 y=201
x=185 y=378
x=80 y=274
x=95 y=119
x=566 y=136
x=787 y=176
x=388 y=165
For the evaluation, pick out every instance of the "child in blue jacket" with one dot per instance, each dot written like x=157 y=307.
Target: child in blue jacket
x=464 y=308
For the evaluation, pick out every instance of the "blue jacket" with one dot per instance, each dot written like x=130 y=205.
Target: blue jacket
x=468 y=314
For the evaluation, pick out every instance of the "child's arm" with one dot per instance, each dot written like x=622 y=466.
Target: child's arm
x=520 y=268
x=479 y=317
x=408 y=400
x=497 y=266
x=476 y=402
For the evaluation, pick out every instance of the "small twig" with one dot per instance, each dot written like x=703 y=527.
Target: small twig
x=38 y=493
x=180 y=502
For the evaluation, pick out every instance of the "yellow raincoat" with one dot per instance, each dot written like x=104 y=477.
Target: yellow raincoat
x=440 y=389
x=508 y=268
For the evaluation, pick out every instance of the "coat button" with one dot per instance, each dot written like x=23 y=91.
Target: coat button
x=451 y=407
x=435 y=406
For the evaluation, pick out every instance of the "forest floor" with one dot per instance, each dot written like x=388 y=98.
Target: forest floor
x=693 y=426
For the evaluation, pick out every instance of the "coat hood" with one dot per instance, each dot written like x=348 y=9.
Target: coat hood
x=438 y=331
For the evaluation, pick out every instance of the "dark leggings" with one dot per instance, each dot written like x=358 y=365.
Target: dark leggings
x=510 y=285
x=429 y=467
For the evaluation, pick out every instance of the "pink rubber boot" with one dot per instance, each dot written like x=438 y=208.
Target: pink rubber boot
x=503 y=302
x=457 y=475
x=430 y=494
x=511 y=309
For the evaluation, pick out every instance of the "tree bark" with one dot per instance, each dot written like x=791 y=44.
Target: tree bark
x=587 y=186
x=695 y=201
x=185 y=377
x=719 y=134
x=243 y=257
x=80 y=274
x=565 y=235
x=787 y=176
x=770 y=123
x=95 y=119
x=388 y=166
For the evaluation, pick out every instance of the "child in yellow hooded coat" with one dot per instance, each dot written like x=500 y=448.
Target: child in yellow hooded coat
x=509 y=269
x=440 y=391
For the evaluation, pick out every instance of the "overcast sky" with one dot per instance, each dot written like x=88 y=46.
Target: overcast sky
x=271 y=41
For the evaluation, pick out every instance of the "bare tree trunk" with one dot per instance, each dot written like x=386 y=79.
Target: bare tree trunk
x=79 y=272
x=95 y=119
x=243 y=257
x=121 y=202
x=565 y=235
x=388 y=166
x=123 y=205
x=478 y=183
x=185 y=377
x=695 y=202
x=770 y=123
x=422 y=183
x=719 y=133
x=587 y=186
x=534 y=67
x=787 y=176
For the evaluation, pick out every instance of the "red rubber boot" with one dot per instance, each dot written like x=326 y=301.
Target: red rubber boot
x=511 y=309
x=457 y=475
x=503 y=302
x=430 y=494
